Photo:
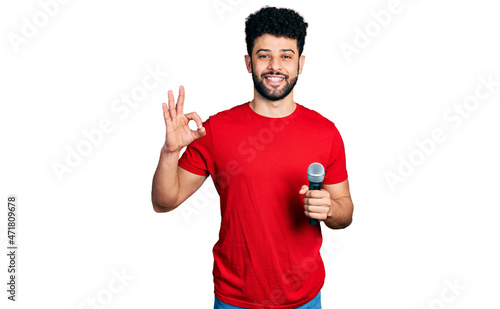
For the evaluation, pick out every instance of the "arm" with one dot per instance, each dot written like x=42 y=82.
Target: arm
x=332 y=204
x=341 y=208
x=172 y=185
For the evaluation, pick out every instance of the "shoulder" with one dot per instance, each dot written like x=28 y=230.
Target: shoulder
x=229 y=115
x=316 y=119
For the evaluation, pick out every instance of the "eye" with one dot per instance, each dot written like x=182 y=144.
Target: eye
x=263 y=56
x=287 y=57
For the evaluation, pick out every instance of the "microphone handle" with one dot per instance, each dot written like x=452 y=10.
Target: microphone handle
x=314 y=186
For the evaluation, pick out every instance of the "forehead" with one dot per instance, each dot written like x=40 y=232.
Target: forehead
x=274 y=43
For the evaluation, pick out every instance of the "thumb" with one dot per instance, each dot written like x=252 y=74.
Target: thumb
x=199 y=133
x=303 y=189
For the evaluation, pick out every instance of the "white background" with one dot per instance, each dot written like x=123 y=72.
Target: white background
x=405 y=246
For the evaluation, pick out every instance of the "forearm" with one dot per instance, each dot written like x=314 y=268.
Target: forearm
x=165 y=187
x=340 y=214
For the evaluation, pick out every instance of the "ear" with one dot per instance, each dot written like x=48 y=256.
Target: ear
x=248 y=62
x=302 y=59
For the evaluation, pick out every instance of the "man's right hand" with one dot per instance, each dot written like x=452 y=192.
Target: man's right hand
x=178 y=132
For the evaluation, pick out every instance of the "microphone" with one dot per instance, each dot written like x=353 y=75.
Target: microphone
x=315 y=175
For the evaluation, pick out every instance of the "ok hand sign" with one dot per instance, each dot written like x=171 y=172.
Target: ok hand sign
x=178 y=132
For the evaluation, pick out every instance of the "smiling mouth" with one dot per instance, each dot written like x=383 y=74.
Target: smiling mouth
x=274 y=79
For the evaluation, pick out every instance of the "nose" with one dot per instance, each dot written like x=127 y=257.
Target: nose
x=274 y=64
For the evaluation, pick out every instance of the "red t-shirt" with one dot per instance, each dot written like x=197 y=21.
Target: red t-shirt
x=267 y=255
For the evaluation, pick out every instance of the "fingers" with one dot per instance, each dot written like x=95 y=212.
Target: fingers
x=175 y=109
x=317 y=197
x=180 y=101
x=316 y=203
x=317 y=193
x=164 y=107
x=313 y=193
x=316 y=212
x=199 y=123
x=171 y=105
x=200 y=132
x=194 y=116
x=303 y=189
x=166 y=114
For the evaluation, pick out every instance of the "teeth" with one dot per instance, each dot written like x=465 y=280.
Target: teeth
x=274 y=79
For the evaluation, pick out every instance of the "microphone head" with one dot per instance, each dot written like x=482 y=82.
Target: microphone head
x=315 y=172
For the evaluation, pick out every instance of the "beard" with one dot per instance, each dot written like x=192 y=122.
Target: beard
x=274 y=94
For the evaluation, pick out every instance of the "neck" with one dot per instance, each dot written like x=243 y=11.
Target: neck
x=273 y=109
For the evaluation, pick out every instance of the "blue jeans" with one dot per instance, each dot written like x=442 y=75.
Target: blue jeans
x=313 y=304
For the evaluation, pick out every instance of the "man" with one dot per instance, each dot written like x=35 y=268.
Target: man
x=258 y=153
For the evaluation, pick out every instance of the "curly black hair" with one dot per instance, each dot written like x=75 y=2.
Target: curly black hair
x=280 y=22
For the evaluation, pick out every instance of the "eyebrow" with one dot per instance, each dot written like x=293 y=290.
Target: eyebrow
x=268 y=50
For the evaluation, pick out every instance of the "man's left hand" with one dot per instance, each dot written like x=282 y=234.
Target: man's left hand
x=317 y=203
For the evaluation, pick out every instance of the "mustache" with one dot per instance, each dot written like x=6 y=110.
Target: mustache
x=275 y=74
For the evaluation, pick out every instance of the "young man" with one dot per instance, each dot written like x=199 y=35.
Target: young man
x=258 y=153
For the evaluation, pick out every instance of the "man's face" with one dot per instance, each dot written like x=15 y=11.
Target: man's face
x=275 y=65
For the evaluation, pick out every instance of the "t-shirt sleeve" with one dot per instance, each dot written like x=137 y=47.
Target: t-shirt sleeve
x=197 y=158
x=336 y=171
